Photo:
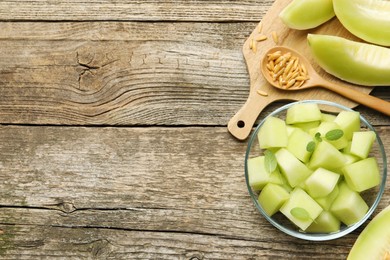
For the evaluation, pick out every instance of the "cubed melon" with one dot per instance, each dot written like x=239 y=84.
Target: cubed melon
x=258 y=176
x=326 y=202
x=349 y=121
x=293 y=169
x=349 y=207
x=272 y=197
x=326 y=222
x=327 y=117
x=321 y=182
x=362 y=142
x=273 y=133
x=300 y=199
x=302 y=113
x=326 y=156
x=325 y=127
x=297 y=144
x=308 y=126
x=362 y=175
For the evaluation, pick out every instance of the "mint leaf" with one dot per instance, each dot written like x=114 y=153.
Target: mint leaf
x=270 y=162
x=310 y=146
x=318 y=137
x=334 y=134
x=300 y=213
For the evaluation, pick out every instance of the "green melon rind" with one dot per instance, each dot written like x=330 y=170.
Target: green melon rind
x=374 y=241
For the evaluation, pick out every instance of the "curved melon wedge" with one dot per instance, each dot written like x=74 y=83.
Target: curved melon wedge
x=307 y=14
x=354 y=62
x=374 y=241
x=366 y=19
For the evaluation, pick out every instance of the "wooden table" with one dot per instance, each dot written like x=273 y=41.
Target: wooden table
x=113 y=137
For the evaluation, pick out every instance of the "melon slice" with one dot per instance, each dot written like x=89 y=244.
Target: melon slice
x=308 y=126
x=362 y=175
x=349 y=207
x=272 y=197
x=349 y=121
x=326 y=222
x=297 y=143
x=326 y=127
x=374 y=241
x=303 y=113
x=327 y=117
x=258 y=176
x=326 y=156
x=300 y=199
x=321 y=182
x=273 y=133
x=293 y=169
x=307 y=14
x=361 y=143
x=326 y=202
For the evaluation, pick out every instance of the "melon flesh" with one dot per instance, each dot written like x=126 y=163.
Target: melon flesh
x=374 y=241
x=362 y=175
x=324 y=223
x=300 y=199
x=272 y=197
x=297 y=143
x=326 y=156
x=293 y=169
x=273 y=133
x=307 y=14
x=321 y=182
x=349 y=207
x=303 y=113
x=349 y=122
x=362 y=142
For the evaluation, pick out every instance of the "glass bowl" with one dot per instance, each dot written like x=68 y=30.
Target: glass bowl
x=371 y=196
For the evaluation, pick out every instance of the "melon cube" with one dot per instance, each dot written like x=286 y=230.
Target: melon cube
x=326 y=156
x=327 y=117
x=362 y=142
x=300 y=199
x=362 y=175
x=326 y=222
x=293 y=169
x=272 y=197
x=308 y=126
x=326 y=202
x=325 y=127
x=349 y=121
x=349 y=207
x=302 y=113
x=321 y=182
x=297 y=143
x=258 y=176
x=273 y=133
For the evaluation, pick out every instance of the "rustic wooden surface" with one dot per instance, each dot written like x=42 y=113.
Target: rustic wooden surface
x=113 y=138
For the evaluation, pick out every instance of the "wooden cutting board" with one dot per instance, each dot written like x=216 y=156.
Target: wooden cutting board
x=242 y=122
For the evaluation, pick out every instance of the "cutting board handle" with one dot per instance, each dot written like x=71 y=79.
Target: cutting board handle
x=241 y=124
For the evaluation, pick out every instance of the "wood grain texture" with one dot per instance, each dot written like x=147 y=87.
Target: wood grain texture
x=121 y=73
x=136 y=193
x=113 y=139
x=119 y=10
x=116 y=73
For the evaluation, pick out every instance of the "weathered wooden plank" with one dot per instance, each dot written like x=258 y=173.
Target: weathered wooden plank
x=42 y=242
x=124 y=73
x=120 y=10
x=143 y=190
x=137 y=79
